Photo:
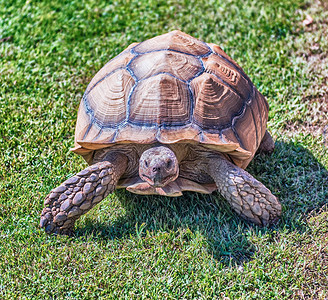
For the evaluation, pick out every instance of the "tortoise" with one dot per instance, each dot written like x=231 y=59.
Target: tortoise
x=168 y=115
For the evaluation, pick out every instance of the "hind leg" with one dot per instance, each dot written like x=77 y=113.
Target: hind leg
x=267 y=144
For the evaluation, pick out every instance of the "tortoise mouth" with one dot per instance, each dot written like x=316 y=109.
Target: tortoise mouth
x=162 y=183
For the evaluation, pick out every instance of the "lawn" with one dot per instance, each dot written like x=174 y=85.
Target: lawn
x=134 y=247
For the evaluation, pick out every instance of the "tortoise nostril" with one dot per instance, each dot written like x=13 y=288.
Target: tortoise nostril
x=146 y=163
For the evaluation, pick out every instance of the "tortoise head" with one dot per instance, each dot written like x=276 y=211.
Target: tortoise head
x=158 y=166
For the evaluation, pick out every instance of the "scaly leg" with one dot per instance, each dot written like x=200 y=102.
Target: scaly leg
x=246 y=195
x=77 y=195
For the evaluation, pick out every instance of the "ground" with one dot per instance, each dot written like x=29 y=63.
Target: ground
x=133 y=247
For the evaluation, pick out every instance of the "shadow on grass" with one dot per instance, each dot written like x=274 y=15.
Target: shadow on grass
x=292 y=173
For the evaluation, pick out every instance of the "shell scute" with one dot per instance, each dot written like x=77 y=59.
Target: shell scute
x=215 y=103
x=108 y=102
x=136 y=134
x=218 y=50
x=117 y=62
x=245 y=129
x=160 y=100
x=188 y=133
x=260 y=107
x=177 y=64
x=176 y=41
x=216 y=65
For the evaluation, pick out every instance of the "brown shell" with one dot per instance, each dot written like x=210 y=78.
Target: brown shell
x=173 y=88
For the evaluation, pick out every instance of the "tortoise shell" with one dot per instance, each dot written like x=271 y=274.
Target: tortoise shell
x=172 y=88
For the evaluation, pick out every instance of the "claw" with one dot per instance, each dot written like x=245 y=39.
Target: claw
x=43 y=222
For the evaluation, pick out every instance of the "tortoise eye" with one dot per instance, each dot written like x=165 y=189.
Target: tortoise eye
x=169 y=163
x=146 y=163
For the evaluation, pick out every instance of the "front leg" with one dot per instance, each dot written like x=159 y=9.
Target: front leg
x=246 y=195
x=77 y=195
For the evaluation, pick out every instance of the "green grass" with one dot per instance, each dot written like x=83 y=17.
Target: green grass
x=133 y=247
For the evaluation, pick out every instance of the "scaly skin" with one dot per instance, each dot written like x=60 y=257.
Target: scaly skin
x=246 y=195
x=77 y=195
